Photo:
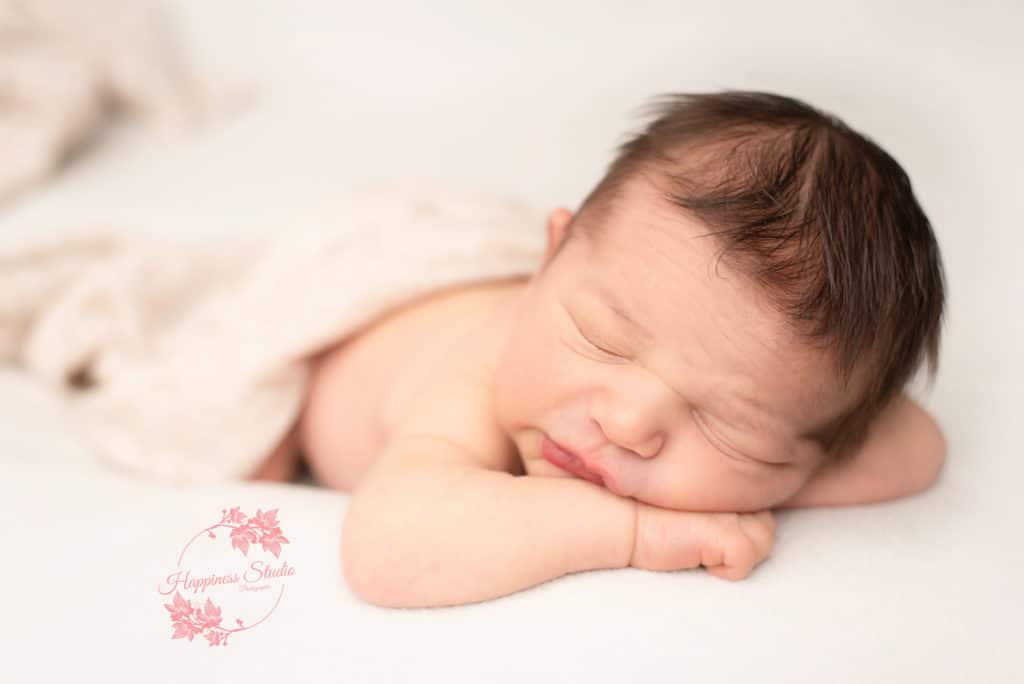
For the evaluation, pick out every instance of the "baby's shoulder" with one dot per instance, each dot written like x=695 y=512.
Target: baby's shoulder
x=456 y=403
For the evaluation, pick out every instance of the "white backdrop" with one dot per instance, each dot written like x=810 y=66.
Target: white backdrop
x=530 y=100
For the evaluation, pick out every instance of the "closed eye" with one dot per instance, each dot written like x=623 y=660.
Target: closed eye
x=590 y=342
x=598 y=347
x=719 y=444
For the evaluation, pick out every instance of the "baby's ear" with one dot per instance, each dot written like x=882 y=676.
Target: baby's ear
x=557 y=230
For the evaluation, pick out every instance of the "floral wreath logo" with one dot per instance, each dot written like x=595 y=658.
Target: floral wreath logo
x=192 y=618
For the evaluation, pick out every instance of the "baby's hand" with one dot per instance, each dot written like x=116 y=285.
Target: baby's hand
x=729 y=545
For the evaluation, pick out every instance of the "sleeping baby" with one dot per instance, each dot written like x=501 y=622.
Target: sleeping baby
x=725 y=326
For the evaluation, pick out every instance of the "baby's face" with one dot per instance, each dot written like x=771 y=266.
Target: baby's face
x=702 y=403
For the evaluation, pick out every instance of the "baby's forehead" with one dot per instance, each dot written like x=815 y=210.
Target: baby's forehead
x=667 y=270
x=647 y=235
x=758 y=345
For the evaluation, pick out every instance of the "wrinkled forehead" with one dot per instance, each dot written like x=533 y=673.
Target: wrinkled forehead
x=664 y=262
x=642 y=225
x=660 y=267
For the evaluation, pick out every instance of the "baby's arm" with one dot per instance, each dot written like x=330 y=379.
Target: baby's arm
x=430 y=526
x=902 y=454
x=433 y=525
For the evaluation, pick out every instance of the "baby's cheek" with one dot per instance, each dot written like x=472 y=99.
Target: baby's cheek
x=519 y=387
x=788 y=484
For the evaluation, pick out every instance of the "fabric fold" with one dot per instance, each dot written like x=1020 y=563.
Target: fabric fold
x=186 y=363
x=69 y=67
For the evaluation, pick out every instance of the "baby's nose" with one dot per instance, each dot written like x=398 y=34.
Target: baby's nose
x=650 y=448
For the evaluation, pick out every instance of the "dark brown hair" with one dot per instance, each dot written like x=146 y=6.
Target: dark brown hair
x=817 y=214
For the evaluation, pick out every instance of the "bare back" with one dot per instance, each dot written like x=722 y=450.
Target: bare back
x=375 y=382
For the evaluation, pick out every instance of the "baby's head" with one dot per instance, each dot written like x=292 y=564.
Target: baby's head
x=746 y=289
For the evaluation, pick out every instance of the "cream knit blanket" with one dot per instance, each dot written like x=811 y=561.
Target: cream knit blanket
x=69 y=67
x=187 y=363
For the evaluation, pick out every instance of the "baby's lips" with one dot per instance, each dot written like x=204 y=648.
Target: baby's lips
x=579 y=465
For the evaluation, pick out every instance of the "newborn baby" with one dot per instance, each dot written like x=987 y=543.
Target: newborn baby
x=724 y=327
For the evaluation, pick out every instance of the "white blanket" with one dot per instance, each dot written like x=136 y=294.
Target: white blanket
x=67 y=67
x=188 y=362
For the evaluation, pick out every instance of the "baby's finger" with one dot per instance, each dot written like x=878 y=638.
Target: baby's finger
x=760 y=531
x=731 y=573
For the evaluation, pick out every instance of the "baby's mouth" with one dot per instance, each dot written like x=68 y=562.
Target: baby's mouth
x=555 y=454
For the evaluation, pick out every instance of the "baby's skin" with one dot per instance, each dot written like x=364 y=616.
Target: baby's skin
x=595 y=418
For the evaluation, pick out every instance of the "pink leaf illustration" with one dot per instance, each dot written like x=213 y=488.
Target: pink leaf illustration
x=180 y=609
x=239 y=622
x=185 y=629
x=211 y=614
x=235 y=515
x=266 y=520
x=272 y=541
x=241 y=537
x=214 y=637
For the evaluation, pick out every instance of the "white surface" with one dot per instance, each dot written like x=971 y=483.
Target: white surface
x=530 y=103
